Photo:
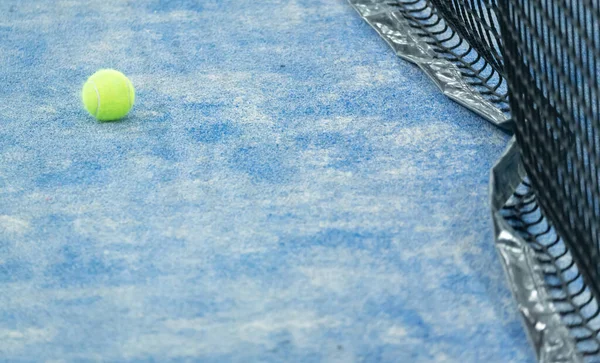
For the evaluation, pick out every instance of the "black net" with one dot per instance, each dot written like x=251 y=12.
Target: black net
x=551 y=63
x=537 y=60
x=467 y=34
x=566 y=287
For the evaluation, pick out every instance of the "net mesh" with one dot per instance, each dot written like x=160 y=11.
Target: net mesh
x=551 y=66
x=566 y=287
x=537 y=60
x=467 y=34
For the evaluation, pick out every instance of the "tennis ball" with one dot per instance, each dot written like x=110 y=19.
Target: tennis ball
x=108 y=95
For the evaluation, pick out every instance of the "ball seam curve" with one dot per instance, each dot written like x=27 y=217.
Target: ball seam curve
x=97 y=99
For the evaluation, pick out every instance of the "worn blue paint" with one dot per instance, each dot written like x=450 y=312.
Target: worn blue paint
x=285 y=189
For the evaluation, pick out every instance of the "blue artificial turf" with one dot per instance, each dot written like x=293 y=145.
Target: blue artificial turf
x=285 y=190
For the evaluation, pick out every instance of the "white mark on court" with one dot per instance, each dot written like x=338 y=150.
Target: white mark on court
x=13 y=224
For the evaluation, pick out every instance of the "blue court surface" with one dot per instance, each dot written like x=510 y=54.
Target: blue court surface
x=285 y=190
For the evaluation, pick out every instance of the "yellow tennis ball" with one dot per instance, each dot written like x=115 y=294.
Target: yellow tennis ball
x=108 y=95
